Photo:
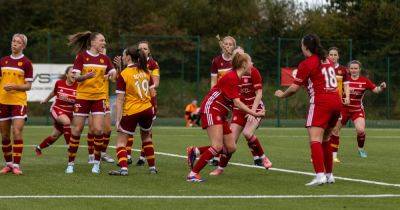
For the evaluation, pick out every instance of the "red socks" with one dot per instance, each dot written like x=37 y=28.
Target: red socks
x=148 y=150
x=334 y=141
x=67 y=133
x=255 y=146
x=361 y=140
x=328 y=160
x=317 y=156
x=106 y=141
x=47 y=142
x=73 y=147
x=225 y=158
x=18 y=146
x=7 y=150
x=204 y=158
x=203 y=149
x=122 y=157
x=90 y=143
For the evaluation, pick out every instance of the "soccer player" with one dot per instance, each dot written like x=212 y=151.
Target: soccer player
x=343 y=88
x=317 y=74
x=154 y=69
x=107 y=128
x=94 y=68
x=133 y=106
x=16 y=78
x=61 y=109
x=192 y=114
x=358 y=85
x=214 y=111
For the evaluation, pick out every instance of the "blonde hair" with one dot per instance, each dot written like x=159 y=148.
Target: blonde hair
x=22 y=37
x=355 y=62
x=231 y=38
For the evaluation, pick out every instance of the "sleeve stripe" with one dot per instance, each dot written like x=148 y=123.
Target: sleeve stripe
x=152 y=86
x=120 y=91
x=29 y=79
x=214 y=74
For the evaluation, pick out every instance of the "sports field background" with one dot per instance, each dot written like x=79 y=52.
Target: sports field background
x=287 y=148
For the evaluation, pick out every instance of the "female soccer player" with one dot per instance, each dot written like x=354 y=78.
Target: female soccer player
x=61 y=109
x=222 y=63
x=317 y=73
x=355 y=110
x=16 y=78
x=214 y=110
x=343 y=88
x=94 y=68
x=133 y=106
x=154 y=69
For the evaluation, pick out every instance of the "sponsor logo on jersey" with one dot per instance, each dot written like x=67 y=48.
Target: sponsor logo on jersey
x=20 y=63
x=101 y=60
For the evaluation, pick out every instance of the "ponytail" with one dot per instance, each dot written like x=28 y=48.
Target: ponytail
x=138 y=57
x=81 y=40
x=313 y=43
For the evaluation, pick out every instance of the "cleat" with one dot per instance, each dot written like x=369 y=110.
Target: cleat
x=195 y=178
x=130 y=161
x=330 y=179
x=191 y=156
x=16 y=171
x=266 y=163
x=218 y=171
x=38 y=151
x=69 y=169
x=91 y=159
x=362 y=153
x=258 y=162
x=140 y=162
x=120 y=172
x=336 y=160
x=107 y=158
x=153 y=171
x=317 y=181
x=214 y=162
x=6 y=169
x=96 y=168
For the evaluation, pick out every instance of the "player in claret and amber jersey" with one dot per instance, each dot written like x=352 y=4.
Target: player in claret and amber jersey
x=342 y=76
x=317 y=74
x=16 y=78
x=133 y=106
x=355 y=110
x=61 y=109
x=222 y=63
x=93 y=67
x=214 y=112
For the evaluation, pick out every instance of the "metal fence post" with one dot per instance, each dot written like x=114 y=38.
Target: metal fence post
x=278 y=81
x=198 y=45
x=388 y=88
x=48 y=47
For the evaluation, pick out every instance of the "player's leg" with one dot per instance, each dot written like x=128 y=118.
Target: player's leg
x=55 y=134
x=78 y=123
x=145 y=121
x=317 y=155
x=5 y=128
x=359 y=124
x=334 y=140
x=122 y=139
x=129 y=145
x=106 y=139
x=98 y=125
x=90 y=140
x=18 y=144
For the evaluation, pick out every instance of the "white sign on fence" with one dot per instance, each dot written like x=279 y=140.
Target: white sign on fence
x=44 y=79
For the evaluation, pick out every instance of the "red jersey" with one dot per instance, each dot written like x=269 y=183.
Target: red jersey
x=65 y=96
x=220 y=97
x=357 y=91
x=319 y=78
x=249 y=85
x=220 y=66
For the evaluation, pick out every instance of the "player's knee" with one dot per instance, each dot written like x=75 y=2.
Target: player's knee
x=17 y=132
x=217 y=147
x=231 y=148
x=247 y=134
x=360 y=131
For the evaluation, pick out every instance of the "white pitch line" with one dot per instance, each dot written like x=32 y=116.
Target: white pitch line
x=197 y=196
x=271 y=169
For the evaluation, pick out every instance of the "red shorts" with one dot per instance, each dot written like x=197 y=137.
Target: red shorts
x=9 y=112
x=55 y=113
x=324 y=116
x=86 y=107
x=144 y=119
x=210 y=119
x=239 y=117
x=346 y=115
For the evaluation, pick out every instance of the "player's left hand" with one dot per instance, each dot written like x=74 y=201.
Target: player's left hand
x=9 y=87
x=279 y=93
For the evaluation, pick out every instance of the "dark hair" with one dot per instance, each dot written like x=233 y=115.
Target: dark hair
x=333 y=48
x=138 y=57
x=81 y=40
x=67 y=70
x=313 y=43
x=148 y=45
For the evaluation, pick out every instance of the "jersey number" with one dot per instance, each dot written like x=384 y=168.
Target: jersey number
x=330 y=77
x=142 y=87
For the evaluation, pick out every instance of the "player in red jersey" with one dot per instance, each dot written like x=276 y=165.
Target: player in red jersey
x=61 y=109
x=154 y=69
x=94 y=68
x=343 y=88
x=16 y=78
x=214 y=111
x=355 y=110
x=317 y=74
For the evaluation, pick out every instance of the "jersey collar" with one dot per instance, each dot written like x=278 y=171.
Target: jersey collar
x=16 y=58
x=88 y=52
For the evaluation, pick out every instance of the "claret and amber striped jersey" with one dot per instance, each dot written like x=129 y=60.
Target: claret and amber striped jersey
x=14 y=70
x=220 y=66
x=153 y=67
x=135 y=84
x=93 y=88
x=341 y=77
